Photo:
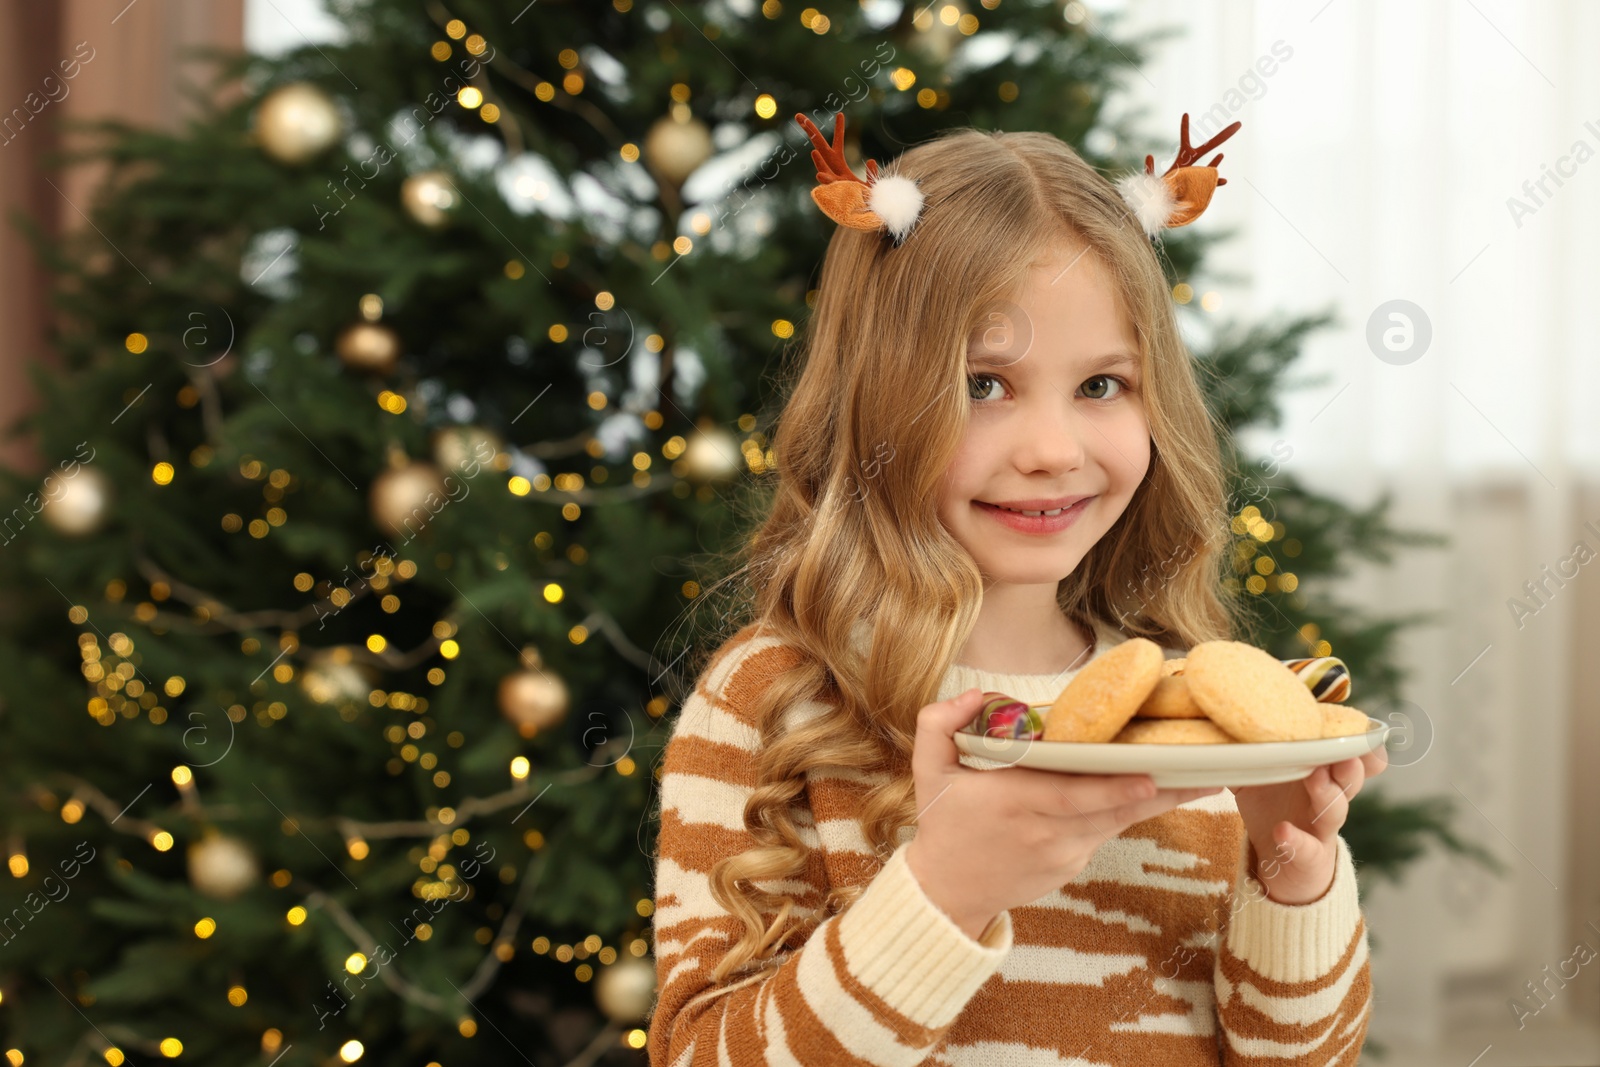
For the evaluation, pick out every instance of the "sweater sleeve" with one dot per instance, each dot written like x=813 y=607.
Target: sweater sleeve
x=879 y=983
x=1293 y=981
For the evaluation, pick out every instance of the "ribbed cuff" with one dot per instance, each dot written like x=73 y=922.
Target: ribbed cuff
x=1294 y=942
x=909 y=952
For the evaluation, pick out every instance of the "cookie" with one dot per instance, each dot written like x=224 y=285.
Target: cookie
x=1341 y=720
x=1251 y=695
x=1173 y=732
x=1170 y=699
x=1104 y=695
x=1173 y=666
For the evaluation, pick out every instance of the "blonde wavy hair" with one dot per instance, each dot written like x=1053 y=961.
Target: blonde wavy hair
x=884 y=364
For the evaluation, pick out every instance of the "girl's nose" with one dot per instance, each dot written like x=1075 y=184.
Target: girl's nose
x=1053 y=440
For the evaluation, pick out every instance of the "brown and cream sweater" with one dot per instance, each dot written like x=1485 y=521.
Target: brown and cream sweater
x=1163 y=950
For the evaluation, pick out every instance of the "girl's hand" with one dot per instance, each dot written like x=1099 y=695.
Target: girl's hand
x=1292 y=826
x=988 y=840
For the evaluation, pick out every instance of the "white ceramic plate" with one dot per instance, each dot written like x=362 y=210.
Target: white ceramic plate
x=1180 y=766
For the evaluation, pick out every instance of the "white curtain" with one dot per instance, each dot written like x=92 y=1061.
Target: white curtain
x=1446 y=154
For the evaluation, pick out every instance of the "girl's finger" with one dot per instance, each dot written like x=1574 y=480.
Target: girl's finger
x=1316 y=786
x=1283 y=848
x=1297 y=844
x=1079 y=796
x=1349 y=775
x=1358 y=768
x=1345 y=776
x=1138 y=811
x=1330 y=803
x=934 y=751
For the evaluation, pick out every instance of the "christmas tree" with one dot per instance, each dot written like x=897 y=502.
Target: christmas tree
x=403 y=403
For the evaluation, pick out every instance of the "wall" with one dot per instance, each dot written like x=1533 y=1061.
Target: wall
x=127 y=61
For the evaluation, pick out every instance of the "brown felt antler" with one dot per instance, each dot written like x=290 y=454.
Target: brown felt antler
x=829 y=158
x=840 y=194
x=1188 y=183
x=1187 y=154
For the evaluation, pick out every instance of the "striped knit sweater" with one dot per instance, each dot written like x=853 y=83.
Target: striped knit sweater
x=1164 y=950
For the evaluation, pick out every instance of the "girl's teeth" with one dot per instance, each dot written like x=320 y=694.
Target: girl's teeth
x=1057 y=511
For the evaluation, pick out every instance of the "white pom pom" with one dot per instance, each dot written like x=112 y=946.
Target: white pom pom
x=1151 y=201
x=897 y=201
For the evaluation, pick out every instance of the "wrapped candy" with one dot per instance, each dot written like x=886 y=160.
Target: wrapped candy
x=1008 y=717
x=1326 y=676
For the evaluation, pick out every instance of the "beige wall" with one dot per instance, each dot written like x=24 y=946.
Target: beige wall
x=1584 y=868
x=135 y=71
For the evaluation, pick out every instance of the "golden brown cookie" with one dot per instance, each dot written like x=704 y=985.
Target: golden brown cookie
x=1103 y=696
x=1173 y=732
x=1170 y=699
x=1173 y=666
x=1250 y=694
x=1341 y=720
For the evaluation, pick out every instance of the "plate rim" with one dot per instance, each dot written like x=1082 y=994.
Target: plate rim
x=1288 y=750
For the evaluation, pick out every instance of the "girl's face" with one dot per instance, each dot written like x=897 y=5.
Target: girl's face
x=1057 y=421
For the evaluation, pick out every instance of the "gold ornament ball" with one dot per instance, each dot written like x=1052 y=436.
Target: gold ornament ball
x=430 y=197
x=333 y=677
x=939 y=42
x=711 y=455
x=533 y=700
x=673 y=148
x=370 y=347
x=456 y=447
x=626 y=989
x=404 y=499
x=76 y=504
x=296 y=122
x=222 y=867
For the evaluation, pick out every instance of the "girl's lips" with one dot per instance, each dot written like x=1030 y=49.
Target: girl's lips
x=1036 y=524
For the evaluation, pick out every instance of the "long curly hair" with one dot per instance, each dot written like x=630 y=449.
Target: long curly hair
x=844 y=529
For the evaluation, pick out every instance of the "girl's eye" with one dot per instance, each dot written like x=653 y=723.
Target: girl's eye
x=975 y=388
x=1101 y=387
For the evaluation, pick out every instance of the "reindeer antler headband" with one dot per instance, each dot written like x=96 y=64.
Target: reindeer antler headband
x=893 y=203
x=889 y=202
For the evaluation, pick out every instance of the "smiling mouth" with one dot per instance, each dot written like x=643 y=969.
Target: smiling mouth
x=1035 y=514
x=1015 y=511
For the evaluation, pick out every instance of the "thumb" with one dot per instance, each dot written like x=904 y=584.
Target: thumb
x=934 y=749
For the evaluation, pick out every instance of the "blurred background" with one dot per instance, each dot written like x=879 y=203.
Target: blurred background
x=380 y=378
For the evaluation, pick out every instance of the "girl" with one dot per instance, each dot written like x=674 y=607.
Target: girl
x=996 y=433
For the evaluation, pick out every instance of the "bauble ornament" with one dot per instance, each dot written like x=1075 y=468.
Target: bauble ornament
x=222 y=867
x=296 y=122
x=369 y=347
x=939 y=32
x=405 y=498
x=333 y=676
x=430 y=198
x=79 y=503
x=677 y=144
x=534 y=698
x=711 y=455
x=458 y=448
x=626 y=989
